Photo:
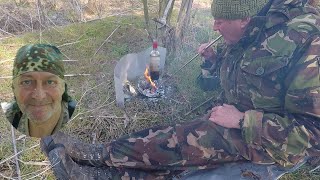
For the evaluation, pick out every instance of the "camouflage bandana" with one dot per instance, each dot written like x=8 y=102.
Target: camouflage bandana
x=38 y=57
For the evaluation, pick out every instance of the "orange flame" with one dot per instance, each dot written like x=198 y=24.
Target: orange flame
x=148 y=78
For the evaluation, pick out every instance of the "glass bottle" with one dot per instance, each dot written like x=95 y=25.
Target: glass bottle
x=155 y=61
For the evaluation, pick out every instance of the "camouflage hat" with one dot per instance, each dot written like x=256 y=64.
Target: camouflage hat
x=236 y=9
x=38 y=57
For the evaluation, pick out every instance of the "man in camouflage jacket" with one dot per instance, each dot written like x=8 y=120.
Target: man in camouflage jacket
x=271 y=115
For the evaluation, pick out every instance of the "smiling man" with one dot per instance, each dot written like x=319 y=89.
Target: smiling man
x=42 y=104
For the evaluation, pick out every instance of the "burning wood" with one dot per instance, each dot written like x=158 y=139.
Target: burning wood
x=148 y=87
x=149 y=80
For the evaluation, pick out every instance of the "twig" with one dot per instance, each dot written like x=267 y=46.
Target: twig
x=21 y=137
x=6 y=32
x=8 y=14
x=7 y=159
x=55 y=26
x=35 y=163
x=105 y=41
x=40 y=171
x=45 y=170
x=73 y=75
x=94 y=138
x=65 y=55
x=15 y=152
x=70 y=60
x=67 y=44
x=38 y=10
x=6 y=177
x=199 y=106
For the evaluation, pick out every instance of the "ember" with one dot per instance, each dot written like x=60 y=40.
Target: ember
x=149 y=88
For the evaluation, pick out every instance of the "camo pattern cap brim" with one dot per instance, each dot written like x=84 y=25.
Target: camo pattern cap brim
x=38 y=57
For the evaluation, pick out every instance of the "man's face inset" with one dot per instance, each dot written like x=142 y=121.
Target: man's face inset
x=39 y=95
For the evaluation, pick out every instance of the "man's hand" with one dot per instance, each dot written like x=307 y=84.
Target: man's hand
x=227 y=116
x=206 y=53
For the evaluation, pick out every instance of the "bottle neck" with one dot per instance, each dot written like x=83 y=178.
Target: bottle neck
x=155 y=45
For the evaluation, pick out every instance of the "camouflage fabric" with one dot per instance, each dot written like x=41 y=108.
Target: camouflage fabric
x=38 y=57
x=23 y=125
x=275 y=80
x=271 y=74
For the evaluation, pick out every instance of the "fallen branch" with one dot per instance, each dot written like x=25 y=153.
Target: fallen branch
x=15 y=152
x=46 y=163
x=73 y=75
x=67 y=44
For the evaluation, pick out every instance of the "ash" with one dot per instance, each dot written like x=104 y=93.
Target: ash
x=143 y=90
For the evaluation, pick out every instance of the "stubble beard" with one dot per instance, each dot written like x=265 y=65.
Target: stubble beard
x=42 y=112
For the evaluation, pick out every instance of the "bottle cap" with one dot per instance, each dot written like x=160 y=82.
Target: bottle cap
x=155 y=44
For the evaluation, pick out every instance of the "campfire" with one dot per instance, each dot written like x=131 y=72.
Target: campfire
x=149 y=80
x=130 y=82
x=148 y=87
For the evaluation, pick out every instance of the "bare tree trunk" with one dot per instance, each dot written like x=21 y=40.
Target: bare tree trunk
x=163 y=7
x=146 y=12
x=166 y=33
x=41 y=13
x=183 y=19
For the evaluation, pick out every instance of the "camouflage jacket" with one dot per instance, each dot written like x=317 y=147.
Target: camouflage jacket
x=14 y=115
x=273 y=73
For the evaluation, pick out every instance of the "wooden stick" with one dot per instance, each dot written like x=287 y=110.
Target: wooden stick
x=67 y=44
x=73 y=75
x=212 y=42
x=15 y=152
x=194 y=57
x=46 y=163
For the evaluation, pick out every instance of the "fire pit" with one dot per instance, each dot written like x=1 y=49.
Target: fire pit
x=148 y=87
x=130 y=78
